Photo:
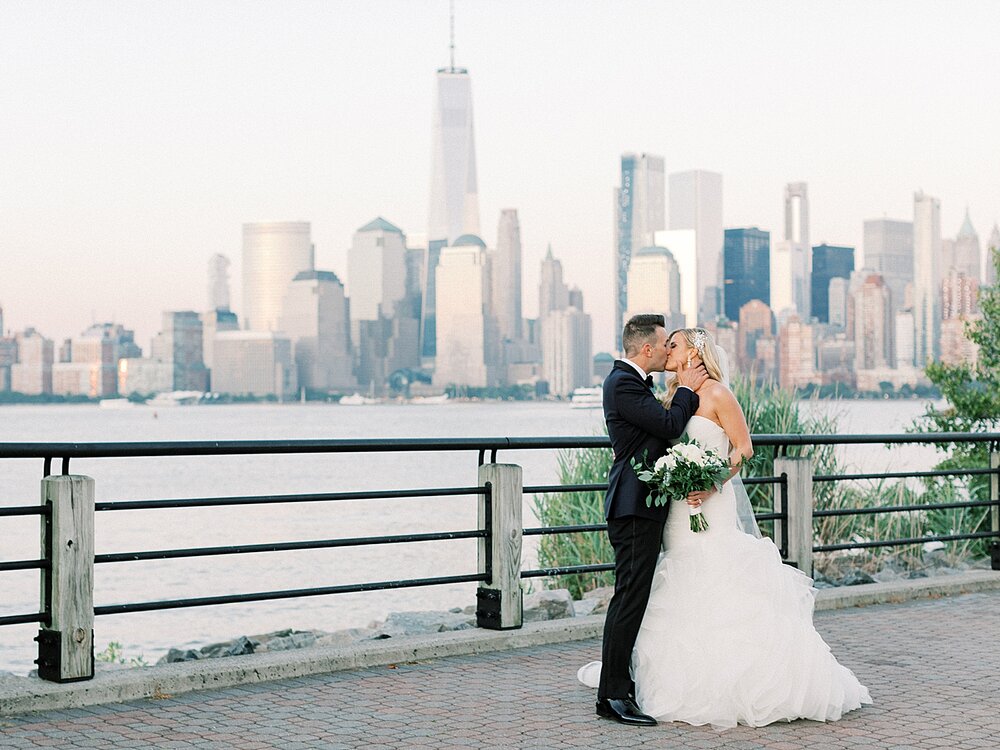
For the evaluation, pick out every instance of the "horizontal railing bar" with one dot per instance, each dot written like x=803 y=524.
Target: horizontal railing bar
x=390 y=445
x=24 y=510
x=568 y=570
x=553 y=488
x=22 y=619
x=207 y=502
x=25 y=565
x=770 y=516
x=901 y=508
x=549 y=530
x=911 y=540
x=904 y=474
x=261 y=596
x=170 y=554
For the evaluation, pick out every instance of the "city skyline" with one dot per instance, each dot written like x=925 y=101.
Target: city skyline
x=145 y=137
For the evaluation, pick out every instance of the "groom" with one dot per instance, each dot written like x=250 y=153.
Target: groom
x=640 y=429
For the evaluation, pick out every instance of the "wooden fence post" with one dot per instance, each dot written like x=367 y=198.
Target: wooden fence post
x=499 y=600
x=799 y=471
x=66 y=647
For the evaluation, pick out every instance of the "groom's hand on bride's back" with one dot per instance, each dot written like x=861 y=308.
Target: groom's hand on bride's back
x=693 y=377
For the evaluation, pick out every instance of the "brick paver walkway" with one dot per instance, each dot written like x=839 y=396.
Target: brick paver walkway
x=933 y=668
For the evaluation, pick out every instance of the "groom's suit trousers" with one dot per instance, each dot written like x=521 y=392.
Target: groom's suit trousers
x=636 y=542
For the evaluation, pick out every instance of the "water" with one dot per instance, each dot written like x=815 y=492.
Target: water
x=150 y=634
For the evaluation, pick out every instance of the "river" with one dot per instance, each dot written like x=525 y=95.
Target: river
x=150 y=634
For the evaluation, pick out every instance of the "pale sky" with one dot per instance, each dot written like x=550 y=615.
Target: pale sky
x=137 y=137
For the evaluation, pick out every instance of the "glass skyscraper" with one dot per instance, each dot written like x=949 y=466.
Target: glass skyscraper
x=747 y=268
x=828 y=262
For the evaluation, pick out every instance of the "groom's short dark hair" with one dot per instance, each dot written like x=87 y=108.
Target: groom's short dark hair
x=639 y=330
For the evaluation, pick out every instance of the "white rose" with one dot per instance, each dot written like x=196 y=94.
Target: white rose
x=667 y=462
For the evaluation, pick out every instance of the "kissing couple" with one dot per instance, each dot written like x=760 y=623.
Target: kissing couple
x=704 y=627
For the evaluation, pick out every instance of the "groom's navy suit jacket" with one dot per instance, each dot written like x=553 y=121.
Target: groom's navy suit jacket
x=639 y=428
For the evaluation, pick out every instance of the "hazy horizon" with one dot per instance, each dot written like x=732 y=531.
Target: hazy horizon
x=137 y=139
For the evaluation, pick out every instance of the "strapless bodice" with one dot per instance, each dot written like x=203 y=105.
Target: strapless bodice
x=708 y=434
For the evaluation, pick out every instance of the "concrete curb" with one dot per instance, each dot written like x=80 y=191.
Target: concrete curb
x=19 y=695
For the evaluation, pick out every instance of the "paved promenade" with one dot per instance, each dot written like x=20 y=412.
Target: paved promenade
x=933 y=668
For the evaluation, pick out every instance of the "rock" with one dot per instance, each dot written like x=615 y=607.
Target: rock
x=917 y=574
x=290 y=641
x=856 y=578
x=176 y=654
x=456 y=610
x=886 y=574
x=345 y=637
x=470 y=610
x=603 y=596
x=824 y=585
x=584 y=607
x=552 y=604
x=418 y=623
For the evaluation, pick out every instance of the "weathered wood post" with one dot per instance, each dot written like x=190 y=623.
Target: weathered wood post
x=798 y=471
x=995 y=510
x=499 y=600
x=66 y=647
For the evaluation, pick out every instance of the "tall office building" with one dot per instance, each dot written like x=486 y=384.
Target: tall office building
x=180 y=345
x=888 y=250
x=756 y=325
x=218 y=282
x=747 y=268
x=315 y=318
x=696 y=205
x=464 y=316
x=797 y=353
x=507 y=276
x=828 y=262
x=552 y=292
x=904 y=337
x=926 y=275
x=273 y=254
x=254 y=363
x=213 y=321
x=790 y=258
x=683 y=246
x=992 y=257
x=454 y=194
x=376 y=271
x=964 y=253
x=640 y=207
x=837 y=293
x=873 y=324
x=654 y=286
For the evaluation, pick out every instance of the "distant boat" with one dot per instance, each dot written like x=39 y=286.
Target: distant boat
x=357 y=399
x=425 y=400
x=587 y=398
x=175 y=398
x=115 y=403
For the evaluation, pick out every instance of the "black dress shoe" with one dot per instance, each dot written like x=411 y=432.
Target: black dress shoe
x=624 y=711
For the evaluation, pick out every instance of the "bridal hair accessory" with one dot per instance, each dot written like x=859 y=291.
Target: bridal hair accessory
x=700 y=340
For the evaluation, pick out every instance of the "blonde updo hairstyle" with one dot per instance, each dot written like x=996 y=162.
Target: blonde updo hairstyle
x=702 y=341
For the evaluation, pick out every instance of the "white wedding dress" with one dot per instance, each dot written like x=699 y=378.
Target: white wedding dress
x=727 y=637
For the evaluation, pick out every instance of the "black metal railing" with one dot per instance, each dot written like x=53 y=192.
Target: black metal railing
x=487 y=450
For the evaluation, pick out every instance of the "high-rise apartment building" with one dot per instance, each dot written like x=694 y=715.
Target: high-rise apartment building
x=837 y=302
x=797 y=353
x=506 y=267
x=464 y=319
x=32 y=374
x=654 y=286
x=640 y=208
x=756 y=325
x=747 y=268
x=566 y=350
x=315 y=318
x=828 y=262
x=888 y=249
x=696 y=205
x=904 y=337
x=926 y=275
x=180 y=345
x=873 y=324
x=273 y=254
x=254 y=363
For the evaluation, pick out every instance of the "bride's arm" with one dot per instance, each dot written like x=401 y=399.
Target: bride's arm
x=735 y=425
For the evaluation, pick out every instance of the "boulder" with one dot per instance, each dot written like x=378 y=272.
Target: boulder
x=603 y=596
x=177 y=654
x=584 y=607
x=419 y=623
x=551 y=604
x=856 y=578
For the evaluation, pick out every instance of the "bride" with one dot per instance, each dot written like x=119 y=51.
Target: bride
x=727 y=637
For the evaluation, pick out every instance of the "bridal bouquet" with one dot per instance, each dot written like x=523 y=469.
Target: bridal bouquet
x=687 y=467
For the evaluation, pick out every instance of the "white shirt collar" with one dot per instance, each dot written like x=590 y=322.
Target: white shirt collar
x=642 y=373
